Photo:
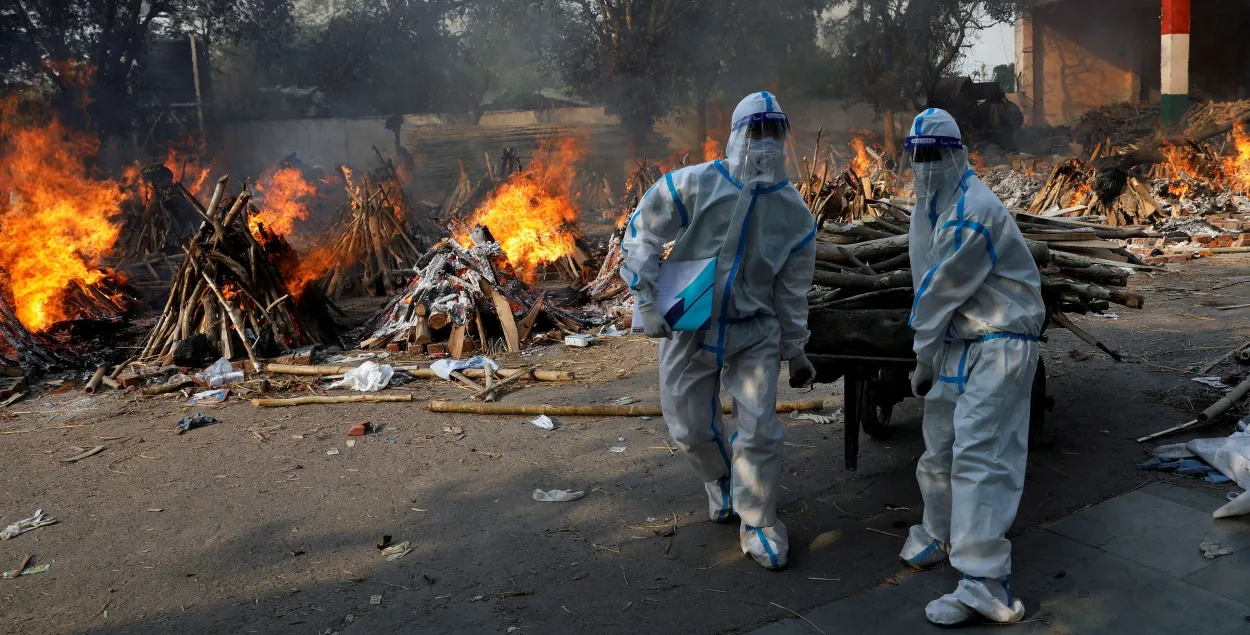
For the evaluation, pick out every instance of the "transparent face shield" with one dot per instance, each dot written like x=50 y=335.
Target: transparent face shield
x=762 y=149
x=930 y=159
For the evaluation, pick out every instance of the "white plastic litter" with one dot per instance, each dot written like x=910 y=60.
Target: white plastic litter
x=1173 y=451
x=1212 y=549
x=445 y=367
x=397 y=551
x=544 y=422
x=1105 y=316
x=1213 y=382
x=836 y=417
x=610 y=330
x=617 y=450
x=26 y=524
x=1231 y=456
x=367 y=377
x=221 y=373
x=557 y=496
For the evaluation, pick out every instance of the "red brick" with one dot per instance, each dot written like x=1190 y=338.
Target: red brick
x=1227 y=225
x=1180 y=257
x=416 y=349
x=1139 y=242
x=436 y=350
x=1242 y=242
x=1202 y=239
x=396 y=347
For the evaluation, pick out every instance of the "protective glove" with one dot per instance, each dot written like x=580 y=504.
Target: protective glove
x=801 y=371
x=654 y=324
x=922 y=379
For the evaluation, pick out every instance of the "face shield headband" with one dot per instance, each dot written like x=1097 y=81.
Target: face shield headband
x=928 y=149
x=773 y=125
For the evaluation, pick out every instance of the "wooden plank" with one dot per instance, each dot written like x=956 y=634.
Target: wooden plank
x=1051 y=213
x=1099 y=255
x=455 y=343
x=527 y=323
x=506 y=319
x=1061 y=235
x=1085 y=244
x=11 y=385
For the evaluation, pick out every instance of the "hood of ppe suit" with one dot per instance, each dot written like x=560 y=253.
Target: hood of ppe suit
x=761 y=159
x=937 y=182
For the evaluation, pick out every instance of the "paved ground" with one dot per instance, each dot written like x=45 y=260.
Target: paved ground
x=1129 y=566
x=276 y=536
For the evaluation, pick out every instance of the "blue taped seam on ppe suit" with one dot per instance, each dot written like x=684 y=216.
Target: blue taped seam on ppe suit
x=977 y=315
x=761 y=234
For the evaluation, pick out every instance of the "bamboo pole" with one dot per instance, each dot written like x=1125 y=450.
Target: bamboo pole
x=1227 y=401
x=302 y=401
x=594 y=410
x=94 y=384
x=419 y=371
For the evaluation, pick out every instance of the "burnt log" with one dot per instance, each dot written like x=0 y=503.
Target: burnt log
x=863 y=282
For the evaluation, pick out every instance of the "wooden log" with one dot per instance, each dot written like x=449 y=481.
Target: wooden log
x=527 y=323
x=110 y=382
x=455 y=343
x=590 y=410
x=1100 y=274
x=855 y=231
x=866 y=251
x=506 y=321
x=93 y=385
x=863 y=282
x=303 y=401
x=166 y=388
x=416 y=371
x=437 y=320
x=488 y=393
x=1086 y=290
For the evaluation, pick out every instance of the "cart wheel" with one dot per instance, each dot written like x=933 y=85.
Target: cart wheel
x=1041 y=428
x=874 y=411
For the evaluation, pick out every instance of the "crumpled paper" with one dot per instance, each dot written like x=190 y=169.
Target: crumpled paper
x=26 y=524
x=557 y=496
x=367 y=377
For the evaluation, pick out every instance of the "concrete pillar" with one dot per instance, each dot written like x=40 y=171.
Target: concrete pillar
x=1174 y=72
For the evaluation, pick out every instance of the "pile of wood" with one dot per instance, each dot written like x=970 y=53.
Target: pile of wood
x=463 y=300
x=1075 y=189
x=608 y=283
x=158 y=220
x=20 y=347
x=864 y=283
x=844 y=195
x=229 y=289
x=372 y=241
x=465 y=196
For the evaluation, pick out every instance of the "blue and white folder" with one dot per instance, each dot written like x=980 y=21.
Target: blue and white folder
x=683 y=294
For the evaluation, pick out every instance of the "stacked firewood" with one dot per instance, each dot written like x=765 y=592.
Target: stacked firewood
x=467 y=298
x=1075 y=189
x=464 y=196
x=844 y=195
x=372 y=240
x=229 y=289
x=864 y=281
x=20 y=347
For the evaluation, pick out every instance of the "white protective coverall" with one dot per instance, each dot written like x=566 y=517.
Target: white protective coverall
x=977 y=316
x=745 y=214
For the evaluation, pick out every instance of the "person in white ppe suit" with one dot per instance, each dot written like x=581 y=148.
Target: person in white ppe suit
x=747 y=237
x=977 y=316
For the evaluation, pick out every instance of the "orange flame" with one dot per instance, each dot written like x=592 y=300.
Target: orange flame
x=187 y=168
x=1179 y=161
x=56 y=219
x=862 y=163
x=312 y=266
x=978 y=163
x=713 y=149
x=532 y=214
x=1080 y=194
x=284 y=198
x=1237 y=166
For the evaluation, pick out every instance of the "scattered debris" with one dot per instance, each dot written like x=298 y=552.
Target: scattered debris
x=30 y=570
x=209 y=396
x=557 y=496
x=358 y=429
x=397 y=551
x=544 y=422
x=368 y=377
x=617 y=449
x=221 y=373
x=375 y=599
x=82 y=454
x=190 y=423
x=27 y=524
x=1211 y=549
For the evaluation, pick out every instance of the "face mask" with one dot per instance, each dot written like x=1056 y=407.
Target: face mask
x=764 y=153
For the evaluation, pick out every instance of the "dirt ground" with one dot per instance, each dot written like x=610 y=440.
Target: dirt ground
x=215 y=531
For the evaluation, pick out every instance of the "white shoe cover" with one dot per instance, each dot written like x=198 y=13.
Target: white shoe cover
x=770 y=546
x=971 y=598
x=922 y=550
x=720 y=502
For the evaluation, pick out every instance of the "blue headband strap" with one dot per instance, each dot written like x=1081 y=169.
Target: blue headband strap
x=919 y=141
x=761 y=118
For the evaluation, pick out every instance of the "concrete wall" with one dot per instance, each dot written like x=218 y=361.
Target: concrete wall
x=439 y=144
x=1078 y=55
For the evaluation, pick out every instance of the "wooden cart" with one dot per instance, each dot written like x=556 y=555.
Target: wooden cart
x=877 y=369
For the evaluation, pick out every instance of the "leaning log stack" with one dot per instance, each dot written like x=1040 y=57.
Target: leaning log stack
x=229 y=290
x=863 y=279
x=372 y=240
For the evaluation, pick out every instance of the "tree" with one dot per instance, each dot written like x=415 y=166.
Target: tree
x=892 y=53
x=387 y=56
x=619 y=53
x=56 y=45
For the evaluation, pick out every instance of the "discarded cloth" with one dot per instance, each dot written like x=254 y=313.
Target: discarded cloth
x=26 y=524
x=445 y=367
x=557 y=496
x=187 y=423
x=1231 y=456
x=367 y=377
